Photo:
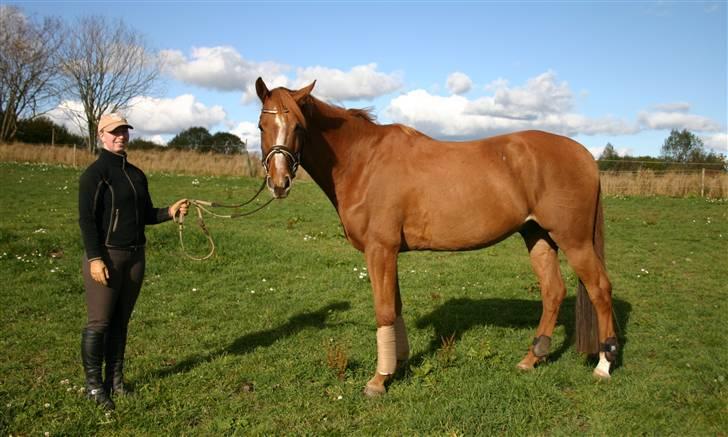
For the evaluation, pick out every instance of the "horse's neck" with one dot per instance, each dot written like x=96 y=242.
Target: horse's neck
x=330 y=158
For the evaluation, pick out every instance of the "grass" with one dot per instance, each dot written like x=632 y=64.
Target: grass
x=276 y=334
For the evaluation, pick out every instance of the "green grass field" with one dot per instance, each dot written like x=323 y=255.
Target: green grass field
x=276 y=335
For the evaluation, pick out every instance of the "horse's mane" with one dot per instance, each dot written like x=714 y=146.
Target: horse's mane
x=330 y=110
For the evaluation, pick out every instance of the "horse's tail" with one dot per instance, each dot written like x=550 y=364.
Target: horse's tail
x=587 y=331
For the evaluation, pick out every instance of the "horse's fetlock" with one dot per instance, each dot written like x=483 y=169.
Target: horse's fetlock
x=541 y=346
x=610 y=347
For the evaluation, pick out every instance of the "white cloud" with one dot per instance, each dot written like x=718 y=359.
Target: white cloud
x=459 y=83
x=677 y=120
x=362 y=82
x=223 y=68
x=717 y=142
x=68 y=114
x=219 y=68
x=157 y=139
x=249 y=133
x=540 y=95
x=542 y=103
x=153 y=116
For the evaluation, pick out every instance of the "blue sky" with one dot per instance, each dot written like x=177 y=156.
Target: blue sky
x=618 y=72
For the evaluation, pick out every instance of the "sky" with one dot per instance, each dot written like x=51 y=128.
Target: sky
x=618 y=72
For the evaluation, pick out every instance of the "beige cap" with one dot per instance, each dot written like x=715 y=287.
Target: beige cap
x=109 y=122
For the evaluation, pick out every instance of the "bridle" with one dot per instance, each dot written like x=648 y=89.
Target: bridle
x=292 y=158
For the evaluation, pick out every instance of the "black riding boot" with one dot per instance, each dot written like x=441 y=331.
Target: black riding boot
x=115 y=348
x=92 y=356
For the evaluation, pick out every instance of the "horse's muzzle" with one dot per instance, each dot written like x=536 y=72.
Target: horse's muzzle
x=279 y=187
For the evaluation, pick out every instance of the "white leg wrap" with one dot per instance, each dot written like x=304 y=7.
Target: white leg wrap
x=386 y=350
x=602 y=369
x=400 y=332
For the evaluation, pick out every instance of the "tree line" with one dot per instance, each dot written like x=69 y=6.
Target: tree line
x=99 y=64
x=682 y=150
x=43 y=130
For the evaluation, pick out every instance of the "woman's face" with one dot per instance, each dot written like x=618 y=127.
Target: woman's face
x=116 y=140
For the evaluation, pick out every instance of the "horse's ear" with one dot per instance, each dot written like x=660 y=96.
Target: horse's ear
x=304 y=92
x=261 y=89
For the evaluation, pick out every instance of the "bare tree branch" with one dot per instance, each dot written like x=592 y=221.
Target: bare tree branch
x=105 y=66
x=28 y=67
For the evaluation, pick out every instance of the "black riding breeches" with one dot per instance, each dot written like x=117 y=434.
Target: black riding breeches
x=110 y=306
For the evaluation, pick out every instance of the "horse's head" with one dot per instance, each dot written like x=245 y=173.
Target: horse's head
x=282 y=134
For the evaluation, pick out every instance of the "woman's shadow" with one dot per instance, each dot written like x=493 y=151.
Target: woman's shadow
x=457 y=316
x=247 y=343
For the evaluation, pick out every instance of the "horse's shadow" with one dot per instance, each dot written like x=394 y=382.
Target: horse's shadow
x=457 y=316
x=451 y=319
x=247 y=343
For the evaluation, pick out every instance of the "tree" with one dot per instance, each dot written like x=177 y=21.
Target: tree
x=227 y=143
x=42 y=130
x=105 y=65
x=683 y=146
x=141 y=144
x=192 y=138
x=609 y=153
x=28 y=67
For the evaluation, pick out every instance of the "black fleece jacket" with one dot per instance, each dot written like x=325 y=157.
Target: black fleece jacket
x=114 y=205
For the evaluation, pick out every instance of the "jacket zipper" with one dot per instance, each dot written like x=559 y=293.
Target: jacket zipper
x=116 y=220
x=133 y=189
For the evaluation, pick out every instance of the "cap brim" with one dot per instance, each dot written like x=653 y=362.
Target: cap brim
x=111 y=126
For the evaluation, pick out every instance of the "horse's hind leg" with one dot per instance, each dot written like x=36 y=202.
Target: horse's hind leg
x=591 y=271
x=545 y=262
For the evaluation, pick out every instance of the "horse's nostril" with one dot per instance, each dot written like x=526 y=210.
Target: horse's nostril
x=287 y=183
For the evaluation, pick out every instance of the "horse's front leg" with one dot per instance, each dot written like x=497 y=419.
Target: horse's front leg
x=391 y=334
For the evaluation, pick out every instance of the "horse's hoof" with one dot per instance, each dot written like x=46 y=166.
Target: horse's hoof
x=373 y=391
x=601 y=374
x=524 y=366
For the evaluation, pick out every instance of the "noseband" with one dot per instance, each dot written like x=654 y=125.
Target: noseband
x=293 y=158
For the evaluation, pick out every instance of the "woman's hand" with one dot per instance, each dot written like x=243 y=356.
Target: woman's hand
x=99 y=271
x=179 y=208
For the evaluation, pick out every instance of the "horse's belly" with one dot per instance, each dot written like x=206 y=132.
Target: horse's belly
x=449 y=232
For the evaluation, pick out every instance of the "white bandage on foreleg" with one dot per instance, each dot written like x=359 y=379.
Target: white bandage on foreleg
x=400 y=332
x=386 y=350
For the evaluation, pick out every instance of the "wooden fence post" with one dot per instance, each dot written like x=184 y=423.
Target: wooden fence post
x=702 y=183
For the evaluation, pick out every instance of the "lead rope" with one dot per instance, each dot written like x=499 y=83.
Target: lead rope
x=203 y=205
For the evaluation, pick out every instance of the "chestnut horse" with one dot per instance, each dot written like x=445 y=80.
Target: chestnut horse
x=396 y=189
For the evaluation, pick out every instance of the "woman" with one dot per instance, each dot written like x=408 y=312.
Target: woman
x=114 y=206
